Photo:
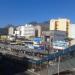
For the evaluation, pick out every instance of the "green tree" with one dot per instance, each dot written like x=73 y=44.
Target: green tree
x=67 y=39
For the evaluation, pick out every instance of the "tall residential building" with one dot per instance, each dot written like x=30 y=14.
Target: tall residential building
x=72 y=31
x=61 y=25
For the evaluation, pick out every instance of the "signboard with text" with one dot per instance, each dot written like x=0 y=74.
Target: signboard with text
x=60 y=44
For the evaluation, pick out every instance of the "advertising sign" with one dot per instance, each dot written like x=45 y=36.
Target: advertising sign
x=39 y=48
x=36 y=43
x=60 y=44
x=37 y=40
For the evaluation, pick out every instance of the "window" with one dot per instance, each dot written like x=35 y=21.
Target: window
x=56 y=25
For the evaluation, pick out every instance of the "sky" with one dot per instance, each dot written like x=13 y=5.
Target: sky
x=24 y=11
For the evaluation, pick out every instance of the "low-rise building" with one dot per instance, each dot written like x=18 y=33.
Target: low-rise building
x=55 y=39
x=28 y=31
x=54 y=34
x=3 y=33
x=11 y=30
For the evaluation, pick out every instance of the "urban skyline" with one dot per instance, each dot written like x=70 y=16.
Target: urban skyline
x=37 y=37
x=24 y=11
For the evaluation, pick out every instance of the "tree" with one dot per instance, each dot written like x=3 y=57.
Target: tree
x=67 y=39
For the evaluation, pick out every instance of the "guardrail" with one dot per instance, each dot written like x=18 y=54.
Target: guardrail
x=47 y=58
x=51 y=57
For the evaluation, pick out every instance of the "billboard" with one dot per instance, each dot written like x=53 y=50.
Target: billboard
x=37 y=43
x=39 y=48
x=37 y=40
x=60 y=44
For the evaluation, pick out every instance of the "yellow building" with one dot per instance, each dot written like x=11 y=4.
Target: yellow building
x=61 y=25
x=3 y=37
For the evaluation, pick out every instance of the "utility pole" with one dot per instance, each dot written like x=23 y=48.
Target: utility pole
x=49 y=49
x=58 y=65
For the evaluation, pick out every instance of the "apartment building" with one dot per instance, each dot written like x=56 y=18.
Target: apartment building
x=60 y=24
x=28 y=31
x=72 y=31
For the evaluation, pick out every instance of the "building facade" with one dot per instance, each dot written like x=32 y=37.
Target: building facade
x=55 y=39
x=61 y=25
x=55 y=35
x=26 y=31
x=38 y=30
x=11 y=30
x=72 y=31
x=29 y=31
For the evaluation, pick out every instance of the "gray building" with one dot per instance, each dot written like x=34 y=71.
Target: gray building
x=55 y=35
x=55 y=39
